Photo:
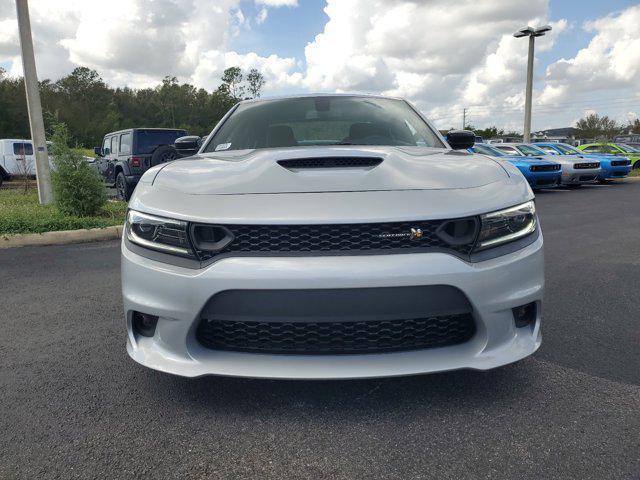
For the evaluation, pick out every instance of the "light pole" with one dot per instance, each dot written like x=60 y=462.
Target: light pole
x=532 y=33
x=43 y=175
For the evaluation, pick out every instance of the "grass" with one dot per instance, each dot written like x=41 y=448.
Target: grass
x=20 y=212
x=87 y=152
x=635 y=172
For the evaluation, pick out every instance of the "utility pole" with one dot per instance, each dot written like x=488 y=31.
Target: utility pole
x=43 y=174
x=532 y=33
x=464 y=118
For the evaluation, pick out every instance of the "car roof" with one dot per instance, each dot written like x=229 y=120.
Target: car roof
x=144 y=128
x=315 y=95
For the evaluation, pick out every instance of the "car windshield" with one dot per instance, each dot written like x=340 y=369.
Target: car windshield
x=312 y=121
x=567 y=149
x=487 y=150
x=530 y=150
x=628 y=148
x=148 y=140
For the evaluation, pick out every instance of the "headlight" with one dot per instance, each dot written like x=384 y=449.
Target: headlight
x=158 y=233
x=506 y=225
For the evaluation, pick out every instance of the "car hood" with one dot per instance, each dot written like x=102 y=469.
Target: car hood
x=530 y=160
x=258 y=171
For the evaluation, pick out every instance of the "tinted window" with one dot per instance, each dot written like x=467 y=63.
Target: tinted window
x=592 y=148
x=508 y=149
x=487 y=150
x=22 y=149
x=311 y=121
x=529 y=150
x=125 y=143
x=148 y=140
x=567 y=149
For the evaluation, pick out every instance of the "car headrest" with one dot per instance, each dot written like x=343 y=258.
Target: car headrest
x=280 y=136
x=363 y=130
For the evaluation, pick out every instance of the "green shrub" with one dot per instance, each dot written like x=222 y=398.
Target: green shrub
x=77 y=187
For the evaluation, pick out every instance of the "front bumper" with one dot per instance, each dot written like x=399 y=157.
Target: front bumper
x=543 y=179
x=177 y=295
x=612 y=172
x=572 y=176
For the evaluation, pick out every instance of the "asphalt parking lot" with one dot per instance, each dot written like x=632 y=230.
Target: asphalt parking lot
x=75 y=406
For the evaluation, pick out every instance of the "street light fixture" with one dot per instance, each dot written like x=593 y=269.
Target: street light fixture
x=532 y=33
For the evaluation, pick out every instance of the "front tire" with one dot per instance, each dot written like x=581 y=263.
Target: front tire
x=123 y=188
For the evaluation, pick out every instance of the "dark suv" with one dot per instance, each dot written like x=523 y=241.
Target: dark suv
x=125 y=155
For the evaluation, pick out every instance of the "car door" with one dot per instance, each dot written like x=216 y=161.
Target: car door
x=102 y=161
x=124 y=151
x=112 y=158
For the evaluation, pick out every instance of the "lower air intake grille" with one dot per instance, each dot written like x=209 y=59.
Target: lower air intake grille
x=350 y=337
x=545 y=168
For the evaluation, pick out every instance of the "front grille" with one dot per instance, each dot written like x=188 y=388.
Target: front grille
x=620 y=174
x=330 y=162
x=582 y=166
x=587 y=178
x=620 y=163
x=545 y=168
x=353 y=238
x=350 y=337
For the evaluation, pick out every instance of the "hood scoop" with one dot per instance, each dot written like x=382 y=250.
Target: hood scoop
x=330 y=162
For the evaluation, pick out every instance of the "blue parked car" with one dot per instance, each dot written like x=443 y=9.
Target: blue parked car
x=612 y=165
x=539 y=173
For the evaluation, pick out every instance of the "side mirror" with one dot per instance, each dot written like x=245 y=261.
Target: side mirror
x=460 y=139
x=97 y=151
x=188 y=145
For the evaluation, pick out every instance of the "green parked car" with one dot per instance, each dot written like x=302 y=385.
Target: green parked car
x=618 y=149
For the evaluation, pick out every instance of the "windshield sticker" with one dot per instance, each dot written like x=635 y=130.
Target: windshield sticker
x=223 y=146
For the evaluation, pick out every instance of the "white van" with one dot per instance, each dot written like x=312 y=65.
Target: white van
x=16 y=158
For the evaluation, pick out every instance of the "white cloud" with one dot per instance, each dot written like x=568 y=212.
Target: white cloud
x=433 y=52
x=278 y=3
x=611 y=60
x=443 y=56
x=262 y=16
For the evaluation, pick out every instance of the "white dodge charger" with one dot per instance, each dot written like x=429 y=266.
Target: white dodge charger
x=335 y=236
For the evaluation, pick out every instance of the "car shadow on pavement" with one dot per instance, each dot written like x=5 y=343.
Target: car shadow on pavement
x=464 y=389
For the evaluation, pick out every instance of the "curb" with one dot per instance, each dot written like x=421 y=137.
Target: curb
x=61 y=238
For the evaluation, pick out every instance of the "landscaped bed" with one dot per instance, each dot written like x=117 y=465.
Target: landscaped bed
x=20 y=212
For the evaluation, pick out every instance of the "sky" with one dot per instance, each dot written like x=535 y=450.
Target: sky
x=443 y=56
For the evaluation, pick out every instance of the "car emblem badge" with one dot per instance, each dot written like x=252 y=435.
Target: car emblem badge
x=416 y=234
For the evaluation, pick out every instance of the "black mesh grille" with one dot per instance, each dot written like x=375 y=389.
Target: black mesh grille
x=546 y=181
x=586 y=165
x=620 y=163
x=361 y=237
x=544 y=168
x=336 y=337
x=331 y=162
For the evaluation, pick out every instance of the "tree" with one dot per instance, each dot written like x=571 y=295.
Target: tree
x=634 y=125
x=256 y=82
x=597 y=127
x=232 y=82
x=489 y=132
x=90 y=108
